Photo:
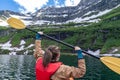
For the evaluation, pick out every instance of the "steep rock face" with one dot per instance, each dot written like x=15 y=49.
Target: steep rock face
x=7 y=32
x=86 y=10
x=54 y=14
x=63 y=14
x=5 y=14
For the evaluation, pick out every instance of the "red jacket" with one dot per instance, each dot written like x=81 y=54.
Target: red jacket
x=46 y=73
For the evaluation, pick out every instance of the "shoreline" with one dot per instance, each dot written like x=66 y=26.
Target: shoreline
x=114 y=55
x=100 y=55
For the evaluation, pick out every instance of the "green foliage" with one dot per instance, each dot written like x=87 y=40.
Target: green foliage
x=17 y=36
x=70 y=24
x=29 y=41
x=16 y=40
x=72 y=39
x=3 y=28
x=113 y=14
x=46 y=42
x=4 y=39
x=4 y=51
x=103 y=35
x=110 y=43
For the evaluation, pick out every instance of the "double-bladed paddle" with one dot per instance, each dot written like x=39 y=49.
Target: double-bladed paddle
x=111 y=62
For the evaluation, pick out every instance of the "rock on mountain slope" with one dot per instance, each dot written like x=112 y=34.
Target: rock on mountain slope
x=85 y=11
x=5 y=14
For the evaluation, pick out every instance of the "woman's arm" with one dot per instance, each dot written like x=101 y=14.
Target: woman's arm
x=65 y=71
x=38 y=50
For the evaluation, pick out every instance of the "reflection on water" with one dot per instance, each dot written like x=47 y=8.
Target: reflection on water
x=17 y=67
x=21 y=67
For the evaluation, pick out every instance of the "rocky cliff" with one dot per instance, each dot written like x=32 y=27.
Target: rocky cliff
x=85 y=11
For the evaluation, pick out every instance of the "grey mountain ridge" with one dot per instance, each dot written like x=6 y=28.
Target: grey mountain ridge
x=56 y=14
x=63 y=14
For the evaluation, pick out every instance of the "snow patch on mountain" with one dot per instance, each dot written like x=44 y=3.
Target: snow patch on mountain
x=27 y=20
x=85 y=11
x=93 y=18
x=40 y=22
x=3 y=23
x=13 y=50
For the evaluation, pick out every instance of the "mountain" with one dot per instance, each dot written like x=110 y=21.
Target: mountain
x=5 y=14
x=103 y=36
x=85 y=11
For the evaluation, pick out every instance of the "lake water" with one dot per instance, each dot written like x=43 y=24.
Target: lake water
x=21 y=67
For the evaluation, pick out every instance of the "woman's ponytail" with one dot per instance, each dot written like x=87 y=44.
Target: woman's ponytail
x=50 y=55
x=47 y=58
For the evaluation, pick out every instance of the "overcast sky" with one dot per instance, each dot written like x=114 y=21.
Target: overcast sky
x=26 y=6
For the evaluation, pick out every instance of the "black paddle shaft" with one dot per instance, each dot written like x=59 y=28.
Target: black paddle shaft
x=64 y=43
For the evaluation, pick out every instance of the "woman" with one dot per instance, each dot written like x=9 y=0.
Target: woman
x=48 y=66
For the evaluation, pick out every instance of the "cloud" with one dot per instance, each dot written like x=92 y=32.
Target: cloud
x=30 y=5
x=72 y=2
x=33 y=5
x=57 y=3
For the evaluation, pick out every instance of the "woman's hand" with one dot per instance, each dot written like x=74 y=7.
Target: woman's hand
x=39 y=35
x=77 y=48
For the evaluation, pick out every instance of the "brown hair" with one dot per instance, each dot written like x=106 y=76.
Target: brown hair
x=50 y=55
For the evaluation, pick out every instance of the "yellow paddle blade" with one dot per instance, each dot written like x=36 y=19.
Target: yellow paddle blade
x=16 y=23
x=112 y=63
